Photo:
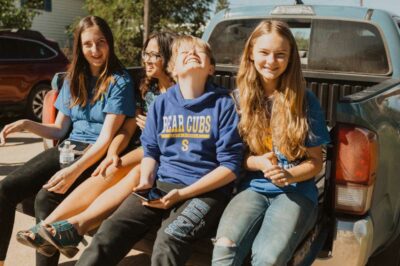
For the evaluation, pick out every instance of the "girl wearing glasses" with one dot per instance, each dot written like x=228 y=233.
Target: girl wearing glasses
x=192 y=152
x=89 y=204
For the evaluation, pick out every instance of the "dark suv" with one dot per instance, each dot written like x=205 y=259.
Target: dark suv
x=28 y=62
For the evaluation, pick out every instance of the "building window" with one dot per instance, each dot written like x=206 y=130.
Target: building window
x=45 y=4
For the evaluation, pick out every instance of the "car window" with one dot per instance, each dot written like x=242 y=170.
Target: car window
x=333 y=45
x=9 y=48
x=347 y=46
x=229 y=37
x=12 y=48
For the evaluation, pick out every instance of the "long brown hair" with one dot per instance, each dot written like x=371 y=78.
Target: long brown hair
x=164 y=42
x=287 y=121
x=79 y=70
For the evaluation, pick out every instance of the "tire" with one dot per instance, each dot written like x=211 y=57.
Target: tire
x=34 y=107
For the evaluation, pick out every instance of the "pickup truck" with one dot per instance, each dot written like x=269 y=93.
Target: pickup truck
x=351 y=60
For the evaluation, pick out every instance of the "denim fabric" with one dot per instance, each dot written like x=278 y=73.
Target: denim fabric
x=271 y=227
x=180 y=226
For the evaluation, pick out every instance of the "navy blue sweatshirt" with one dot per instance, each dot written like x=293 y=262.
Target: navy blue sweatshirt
x=190 y=138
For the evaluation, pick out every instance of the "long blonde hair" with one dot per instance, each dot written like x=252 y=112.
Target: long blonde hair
x=288 y=120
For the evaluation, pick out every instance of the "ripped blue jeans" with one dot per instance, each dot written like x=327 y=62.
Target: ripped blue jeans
x=271 y=227
x=180 y=226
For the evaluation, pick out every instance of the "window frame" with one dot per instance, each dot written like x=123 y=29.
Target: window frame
x=309 y=19
x=47 y=5
x=55 y=52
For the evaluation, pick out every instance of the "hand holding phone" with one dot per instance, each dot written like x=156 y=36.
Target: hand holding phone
x=150 y=194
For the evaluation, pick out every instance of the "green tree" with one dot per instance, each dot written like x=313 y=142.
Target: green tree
x=221 y=5
x=126 y=21
x=12 y=16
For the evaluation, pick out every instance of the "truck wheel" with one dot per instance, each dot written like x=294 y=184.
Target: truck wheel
x=388 y=257
x=34 y=106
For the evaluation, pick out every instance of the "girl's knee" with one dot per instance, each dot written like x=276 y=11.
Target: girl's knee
x=225 y=252
x=224 y=242
x=45 y=203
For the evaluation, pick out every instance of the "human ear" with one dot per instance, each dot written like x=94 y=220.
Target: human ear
x=211 y=70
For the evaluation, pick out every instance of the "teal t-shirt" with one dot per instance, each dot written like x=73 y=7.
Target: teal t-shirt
x=149 y=98
x=318 y=135
x=87 y=121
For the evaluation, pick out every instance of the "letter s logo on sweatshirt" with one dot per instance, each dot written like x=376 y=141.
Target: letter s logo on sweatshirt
x=185 y=145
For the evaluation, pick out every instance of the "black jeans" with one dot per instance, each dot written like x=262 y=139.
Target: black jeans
x=26 y=182
x=180 y=226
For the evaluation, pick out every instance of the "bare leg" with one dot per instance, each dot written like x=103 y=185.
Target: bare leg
x=89 y=190
x=1 y=263
x=107 y=202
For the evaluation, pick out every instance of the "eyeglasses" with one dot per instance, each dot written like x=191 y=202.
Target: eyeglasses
x=151 y=57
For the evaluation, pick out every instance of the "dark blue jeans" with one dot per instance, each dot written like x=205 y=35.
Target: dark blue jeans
x=26 y=182
x=180 y=226
x=271 y=227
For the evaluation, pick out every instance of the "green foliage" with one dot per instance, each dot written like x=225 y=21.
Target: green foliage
x=221 y=5
x=302 y=41
x=126 y=21
x=12 y=16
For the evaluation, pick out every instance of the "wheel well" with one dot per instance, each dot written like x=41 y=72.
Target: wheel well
x=42 y=82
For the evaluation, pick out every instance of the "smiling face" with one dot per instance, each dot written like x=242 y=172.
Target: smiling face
x=270 y=55
x=152 y=60
x=95 y=49
x=190 y=58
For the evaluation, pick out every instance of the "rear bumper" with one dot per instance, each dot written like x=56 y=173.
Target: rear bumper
x=352 y=244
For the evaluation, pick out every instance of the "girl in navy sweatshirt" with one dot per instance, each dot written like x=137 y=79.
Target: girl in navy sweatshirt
x=192 y=151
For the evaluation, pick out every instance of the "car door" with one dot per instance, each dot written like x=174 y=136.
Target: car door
x=23 y=63
x=11 y=71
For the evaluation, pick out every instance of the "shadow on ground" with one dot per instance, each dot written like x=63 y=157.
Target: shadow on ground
x=6 y=168
x=22 y=141
x=140 y=259
x=8 y=118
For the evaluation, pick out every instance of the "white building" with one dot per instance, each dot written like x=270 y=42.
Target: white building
x=56 y=16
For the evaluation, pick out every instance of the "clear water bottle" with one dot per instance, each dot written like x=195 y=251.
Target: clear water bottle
x=66 y=154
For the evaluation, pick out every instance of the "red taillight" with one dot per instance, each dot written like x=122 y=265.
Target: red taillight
x=356 y=162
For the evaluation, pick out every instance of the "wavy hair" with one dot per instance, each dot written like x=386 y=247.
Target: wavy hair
x=164 y=42
x=79 y=69
x=287 y=120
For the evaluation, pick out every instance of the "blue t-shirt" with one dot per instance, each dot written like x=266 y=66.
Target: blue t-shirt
x=87 y=121
x=191 y=137
x=318 y=135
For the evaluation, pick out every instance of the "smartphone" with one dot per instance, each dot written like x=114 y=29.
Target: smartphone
x=150 y=194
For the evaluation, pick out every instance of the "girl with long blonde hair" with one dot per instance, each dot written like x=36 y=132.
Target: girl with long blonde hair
x=284 y=129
